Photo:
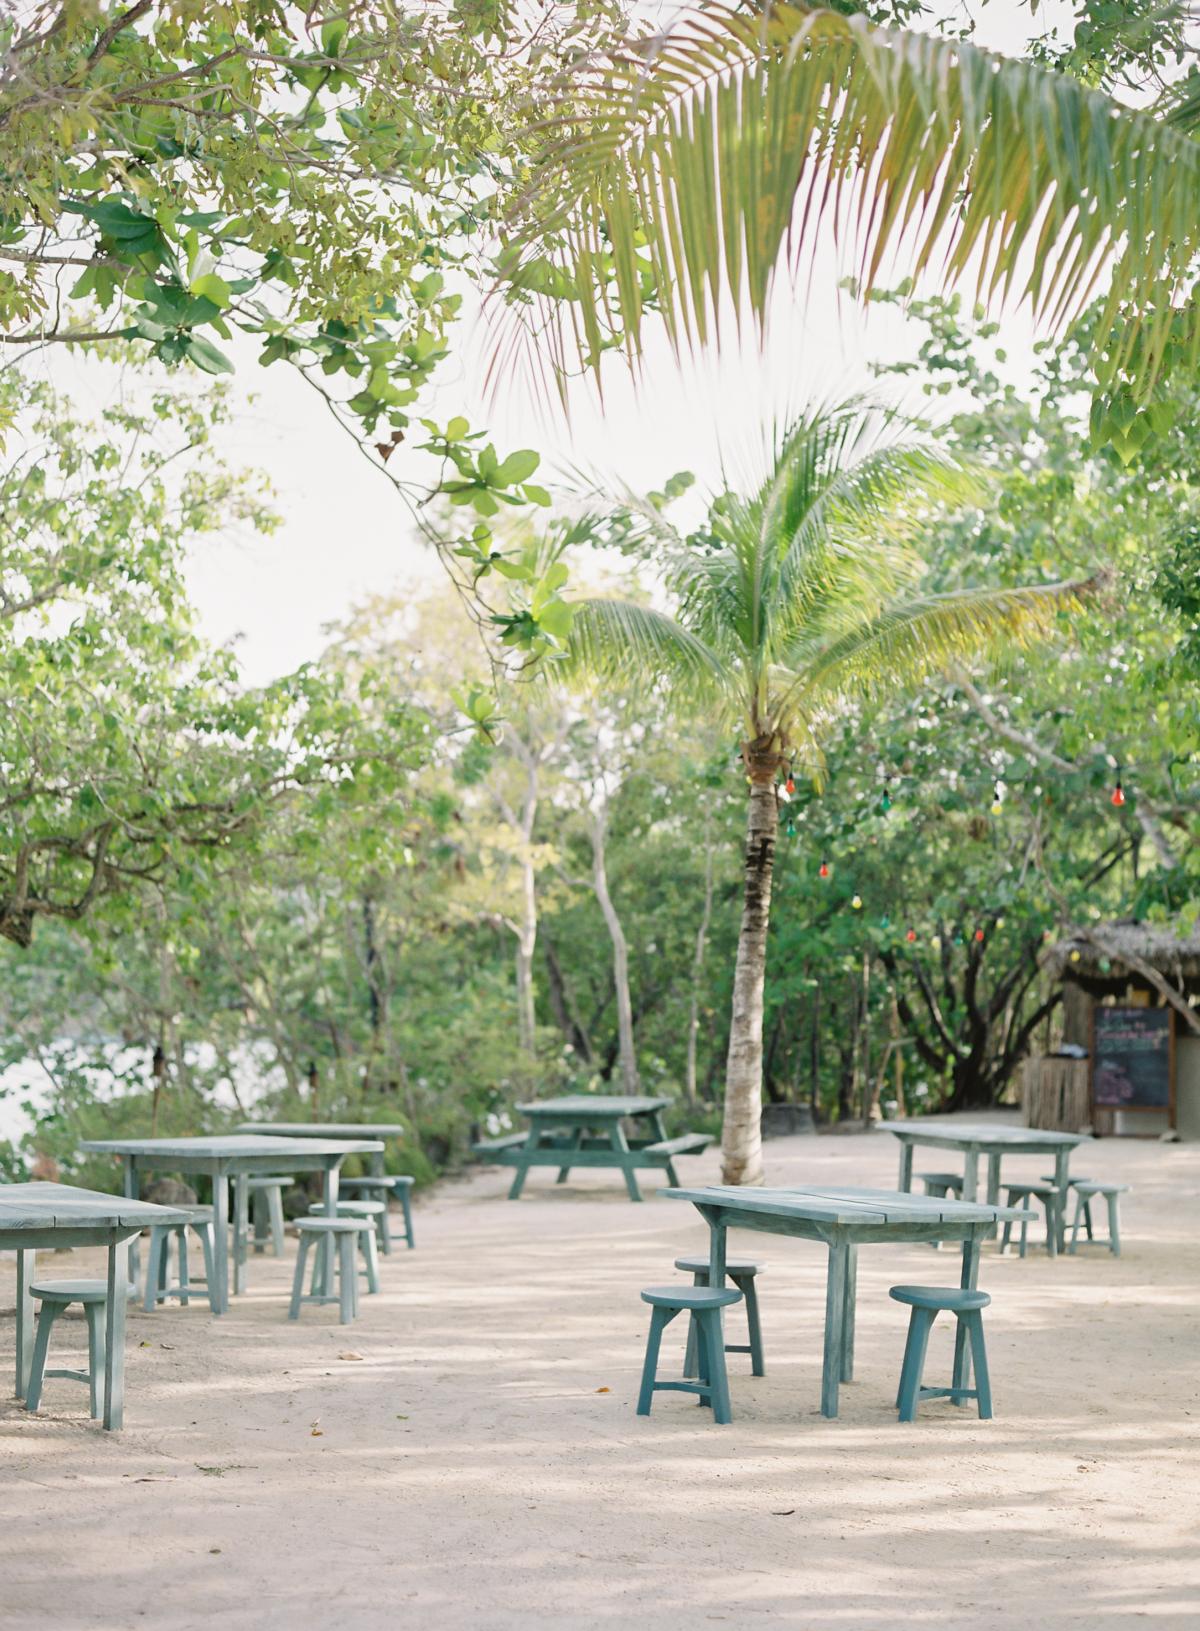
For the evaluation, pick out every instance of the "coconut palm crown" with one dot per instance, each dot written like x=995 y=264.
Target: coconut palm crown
x=792 y=602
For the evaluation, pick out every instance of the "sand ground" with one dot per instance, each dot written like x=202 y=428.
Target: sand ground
x=480 y=1463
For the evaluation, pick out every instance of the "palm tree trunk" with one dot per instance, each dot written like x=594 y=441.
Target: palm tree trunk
x=698 y=962
x=741 y=1137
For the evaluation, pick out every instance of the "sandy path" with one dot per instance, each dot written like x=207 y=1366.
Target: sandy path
x=470 y=1470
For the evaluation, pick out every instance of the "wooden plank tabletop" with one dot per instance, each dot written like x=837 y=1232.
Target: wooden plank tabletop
x=225 y=1146
x=323 y=1129
x=838 y=1203
x=980 y=1133
x=601 y=1104
x=58 y=1206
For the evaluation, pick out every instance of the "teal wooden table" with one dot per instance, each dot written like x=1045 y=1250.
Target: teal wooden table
x=843 y=1219
x=584 y=1130
x=973 y=1139
x=225 y=1157
x=44 y=1216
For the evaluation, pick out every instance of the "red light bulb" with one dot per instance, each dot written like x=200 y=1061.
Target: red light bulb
x=911 y=935
x=1118 y=795
x=979 y=934
x=823 y=870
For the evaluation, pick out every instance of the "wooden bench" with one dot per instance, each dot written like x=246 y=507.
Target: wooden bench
x=494 y=1146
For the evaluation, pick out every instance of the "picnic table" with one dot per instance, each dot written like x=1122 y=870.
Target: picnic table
x=843 y=1219
x=978 y=1138
x=43 y=1215
x=230 y=1156
x=584 y=1130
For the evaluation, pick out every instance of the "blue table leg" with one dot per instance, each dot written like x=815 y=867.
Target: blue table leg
x=522 y=1169
x=328 y=1245
x=835 y=1308
x=114 y=1339
x=969 y=1279
x=131 y=1193
x=1062 y=1161
x=621 y=1145
x=220 y=1197
x=26 y=1264
x=906 y=1165
x=848 y=1306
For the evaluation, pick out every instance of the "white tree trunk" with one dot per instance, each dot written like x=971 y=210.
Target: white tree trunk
x=741 y=1137
x=527 y=923
x=597 y=829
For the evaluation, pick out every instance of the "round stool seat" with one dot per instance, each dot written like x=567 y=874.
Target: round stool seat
x=354 y=1209
x=733 y=1265
x=693 y=1297
x=1042 y=1189
x=951 y=1299
x=1093 y=1186
x=69 y=1291
x=952 y=1180
x=263 y=1181
x=333 y=1226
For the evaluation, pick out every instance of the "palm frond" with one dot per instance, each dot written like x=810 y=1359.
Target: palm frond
x=905 y=642
x=630 y=644
x=696 y=167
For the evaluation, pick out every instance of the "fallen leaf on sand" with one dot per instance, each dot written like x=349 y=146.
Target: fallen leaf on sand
x=349 y=1355
x=604 y=1390
x=401 y=1418
x=214 y=1551
x=169 y=1346
x=317 y=1431
x=786 y=1513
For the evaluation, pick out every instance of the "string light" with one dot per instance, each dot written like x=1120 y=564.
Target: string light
x=789 y=786
x=856 y=903
x=911 y=936
x=997 y=800
x=885 y=802
x=979 y=936
x=823 y=870
x=1118 y=794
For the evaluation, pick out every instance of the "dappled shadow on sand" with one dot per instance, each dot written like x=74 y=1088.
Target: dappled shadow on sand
x=468 y=1451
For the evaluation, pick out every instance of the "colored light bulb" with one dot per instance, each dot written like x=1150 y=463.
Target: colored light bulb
x=1118 y=795
x=856 y=902
x=823 y=870
x=911 y=936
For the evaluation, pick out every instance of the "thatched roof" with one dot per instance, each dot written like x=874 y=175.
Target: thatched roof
x=1110 y=952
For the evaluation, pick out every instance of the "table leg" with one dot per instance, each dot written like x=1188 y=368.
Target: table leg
x=576 y=1140
x=621 y=1144
x=716 y=1252
x=968 y=1280
x=220 y=1196
x=1062 y=1161
x=114 y=1339
x=851 y=1298
x=522 y=1171
x=970 y=1174
x=131 y=1194
x=835 y=1308
x=332 y=1179
x=993 y=1187
x=241 y=1231
x=906 y=1161
x=26 y=1266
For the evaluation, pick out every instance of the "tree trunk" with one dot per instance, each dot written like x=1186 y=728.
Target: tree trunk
x=698 y=962
x=527 y=925
x=741 y=1137
x=597 y=828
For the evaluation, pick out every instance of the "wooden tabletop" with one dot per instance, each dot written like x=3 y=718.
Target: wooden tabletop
x=979 y=1132
x=62 y=1206
x=846 y=1203
x=613 y=1104
x=226 y=1146
x=323 y=1129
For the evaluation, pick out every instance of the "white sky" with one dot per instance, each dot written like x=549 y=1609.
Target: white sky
x=345 y=533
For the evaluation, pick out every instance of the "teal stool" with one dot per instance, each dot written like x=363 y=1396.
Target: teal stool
x=266 y=1208
x=927 y=1302
x=347 y=1233
x=1086 y=1191
x=55 y=1297
x=704 y=1304
x=367 y=1212
x=1049 y=1195
x=162 y=1236
x=401 y=1187
x=741 y=1271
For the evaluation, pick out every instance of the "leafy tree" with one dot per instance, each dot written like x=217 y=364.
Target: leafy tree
x=787 y=603
x=750 y=136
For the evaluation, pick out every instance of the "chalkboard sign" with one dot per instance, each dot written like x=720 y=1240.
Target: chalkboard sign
x=1133 y=1059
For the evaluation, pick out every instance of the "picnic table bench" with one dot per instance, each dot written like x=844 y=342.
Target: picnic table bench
x=843 y=1218
x=48 y=1216
x=584 y=1130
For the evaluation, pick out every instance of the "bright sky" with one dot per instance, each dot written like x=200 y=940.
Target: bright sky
x=345 y=534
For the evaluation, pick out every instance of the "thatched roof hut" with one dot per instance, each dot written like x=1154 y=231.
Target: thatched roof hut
x=1107 y=958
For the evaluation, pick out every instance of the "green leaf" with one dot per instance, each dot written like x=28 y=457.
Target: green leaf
x=515 y=469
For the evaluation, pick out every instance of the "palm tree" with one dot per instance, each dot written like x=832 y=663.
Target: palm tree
x=787 y=605
x=692 y=168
